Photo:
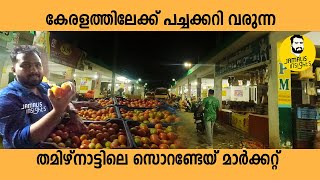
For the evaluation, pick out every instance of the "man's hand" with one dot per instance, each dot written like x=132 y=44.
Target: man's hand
x=60 y=104
x=40 y=130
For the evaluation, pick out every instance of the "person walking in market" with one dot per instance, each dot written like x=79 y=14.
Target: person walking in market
x=29 y=111
x=211 y=107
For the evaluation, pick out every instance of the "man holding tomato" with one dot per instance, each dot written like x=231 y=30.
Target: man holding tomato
x=29 y=110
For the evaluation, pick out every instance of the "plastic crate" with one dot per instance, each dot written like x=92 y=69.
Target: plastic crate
x=139 y=109
x=132 y=109
x=126 y=108
x=124 y=99
x=107 y=98
x=300 y=144
x=120 y=122
x=302 y=124
x=305 y=135
x=118 y=115
x=131 y=124
x=115 y=100
x=165 y=106
x=306 y=113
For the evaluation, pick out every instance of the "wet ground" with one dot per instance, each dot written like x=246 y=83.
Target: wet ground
x=224 y=137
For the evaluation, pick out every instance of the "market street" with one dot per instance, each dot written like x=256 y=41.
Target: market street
x=224 y=136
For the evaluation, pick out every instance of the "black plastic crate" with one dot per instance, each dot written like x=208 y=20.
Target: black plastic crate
x=160 y=108
x=300 y=144
x=302 y=124
x=118 y=115
x=107 y=98
x=131 y=124
x=132 y=108
x=120 y=122
x=143 y=110
x=124 y=99
x=305 y=135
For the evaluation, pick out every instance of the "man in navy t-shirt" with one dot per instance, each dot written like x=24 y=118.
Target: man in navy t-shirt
x=28 y=109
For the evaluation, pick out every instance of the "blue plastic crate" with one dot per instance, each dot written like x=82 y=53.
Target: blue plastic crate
x=165 y=106
x=307 y=113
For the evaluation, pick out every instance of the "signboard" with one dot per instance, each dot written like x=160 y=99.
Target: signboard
x=284 y=84
x=63 y=53
x=224 y=93
x=85 y=81
x=254 y=53
x=83 y=88
x=69 y=73
x=284 y=101
x=238 y=93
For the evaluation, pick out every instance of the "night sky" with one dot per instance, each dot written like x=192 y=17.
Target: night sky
x=155 y=57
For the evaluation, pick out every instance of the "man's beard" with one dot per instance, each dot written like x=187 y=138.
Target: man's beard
x=31 y=80
x=297 y=50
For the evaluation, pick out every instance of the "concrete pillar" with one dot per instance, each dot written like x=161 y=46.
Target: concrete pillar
x=113 y=83
x=218 y=89
x=199 y=88
x=305 y=96
x=97 y=86
x=182 y=88
x=69 y=74
x=273 y=113
x=189 y=89
x=280 y=122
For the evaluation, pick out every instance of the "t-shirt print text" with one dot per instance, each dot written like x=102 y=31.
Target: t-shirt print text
x=34 y=108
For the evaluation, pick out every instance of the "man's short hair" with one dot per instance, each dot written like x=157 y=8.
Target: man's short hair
x=23 y=49
x=211 y=91
x=295 y=36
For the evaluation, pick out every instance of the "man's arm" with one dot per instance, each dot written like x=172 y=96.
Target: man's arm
x=16 y=133
x=40 y=130
x=11 y=122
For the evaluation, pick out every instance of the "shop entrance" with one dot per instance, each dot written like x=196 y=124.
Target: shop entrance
x=245 y=103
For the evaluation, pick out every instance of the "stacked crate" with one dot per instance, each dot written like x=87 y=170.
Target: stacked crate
x=306 y=127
